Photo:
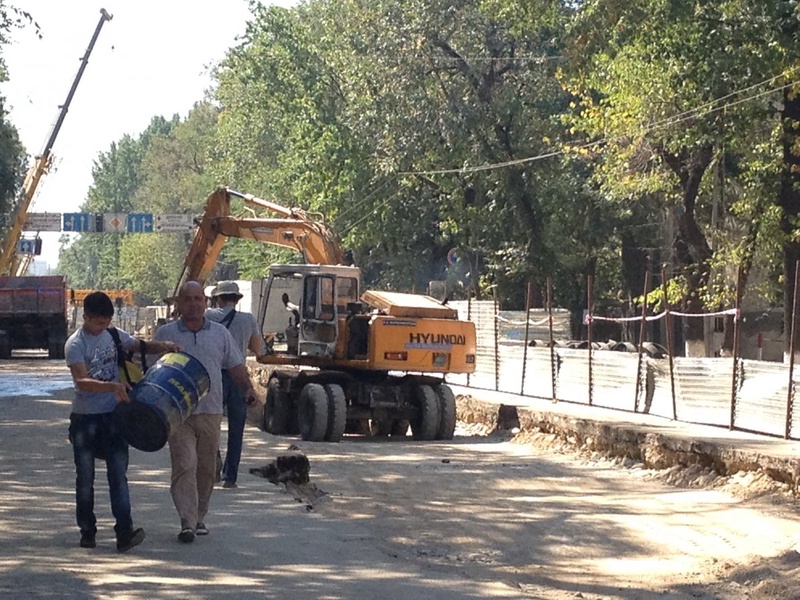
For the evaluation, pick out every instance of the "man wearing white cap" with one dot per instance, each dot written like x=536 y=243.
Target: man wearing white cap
x=244 y=329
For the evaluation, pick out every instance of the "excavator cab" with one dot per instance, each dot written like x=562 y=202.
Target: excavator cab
x=303 y=305
x=318 y=324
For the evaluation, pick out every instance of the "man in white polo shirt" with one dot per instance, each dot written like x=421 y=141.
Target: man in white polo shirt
x=193 y=446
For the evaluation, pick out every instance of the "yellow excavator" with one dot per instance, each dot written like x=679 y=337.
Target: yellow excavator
x=341 y=358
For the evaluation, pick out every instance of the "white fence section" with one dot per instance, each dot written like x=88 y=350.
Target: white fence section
x=753 y=395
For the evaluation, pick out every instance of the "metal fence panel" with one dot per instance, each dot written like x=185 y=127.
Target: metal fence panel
x=572 y=383
x=614 y=379
x=512 y=325
x=510 y=365
x=762 y=396
x=658 y=400
x=538 y=374
x=538 y=378
x=483 y=315
x=704 y=388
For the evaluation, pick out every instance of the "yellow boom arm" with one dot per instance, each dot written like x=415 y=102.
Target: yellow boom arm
x=10 y=263
x=297 y=230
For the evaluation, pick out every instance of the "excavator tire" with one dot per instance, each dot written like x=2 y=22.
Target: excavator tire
x=447 y=412
x=312 y=412
x=337 y=412
x=276 y=409
x=425 y=424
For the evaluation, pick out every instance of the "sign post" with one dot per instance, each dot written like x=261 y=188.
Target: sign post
x=78 y=222
x=42 y=222
x=176 y=223
x=140 y=223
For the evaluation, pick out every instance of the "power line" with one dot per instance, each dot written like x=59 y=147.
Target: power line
x=707 y=108
x=523 y=57
x=371 y=212
x=344 y=213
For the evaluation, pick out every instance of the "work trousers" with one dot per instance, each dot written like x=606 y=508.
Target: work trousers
x=193 y=450
x=233 y=399
x=95 y=437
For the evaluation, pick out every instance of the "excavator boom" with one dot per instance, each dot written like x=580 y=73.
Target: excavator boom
x=296 y=230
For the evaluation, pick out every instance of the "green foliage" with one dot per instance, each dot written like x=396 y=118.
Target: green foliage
x=540 y=140
x=674 y=94
x=152 y=263
x=13 y=159
x=12 y=163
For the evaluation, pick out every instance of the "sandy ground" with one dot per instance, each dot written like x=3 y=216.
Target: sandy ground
x=484 y=516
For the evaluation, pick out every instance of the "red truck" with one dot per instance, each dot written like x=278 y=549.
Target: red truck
x=33 y=314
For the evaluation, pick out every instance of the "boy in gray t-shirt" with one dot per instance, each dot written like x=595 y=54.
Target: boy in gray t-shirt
x=91 y=355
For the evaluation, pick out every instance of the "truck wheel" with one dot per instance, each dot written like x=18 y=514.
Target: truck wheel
x=337 y=412
x=5 y=345
x=400 y=427
x=276 y=408
x=55 y=344
x=447 y=412
x=425 y=424
x=312 y=412
x=380 y=427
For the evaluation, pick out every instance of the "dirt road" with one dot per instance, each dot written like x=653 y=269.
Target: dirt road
x=478 y=517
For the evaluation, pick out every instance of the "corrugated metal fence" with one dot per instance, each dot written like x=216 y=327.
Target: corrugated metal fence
x=704 y=388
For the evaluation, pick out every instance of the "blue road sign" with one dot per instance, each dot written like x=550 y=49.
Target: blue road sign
x=140 y=223
x=78 y=222
x=26 y=246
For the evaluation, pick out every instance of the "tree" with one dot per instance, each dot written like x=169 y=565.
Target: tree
x=360 y=122
x=652 y=78
x=13 y=159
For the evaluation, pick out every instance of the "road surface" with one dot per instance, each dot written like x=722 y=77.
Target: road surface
x=478 y=517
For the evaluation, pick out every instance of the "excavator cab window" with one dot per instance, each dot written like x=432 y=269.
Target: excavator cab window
x=280 y=310
x=319 y=303
x=319 y=329
x=346 y=292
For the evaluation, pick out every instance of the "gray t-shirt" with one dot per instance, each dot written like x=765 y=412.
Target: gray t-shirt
x=242 y=327
x=214 y=347
x=99 y=354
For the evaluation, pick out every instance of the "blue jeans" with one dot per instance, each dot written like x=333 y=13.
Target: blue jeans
x=95 y=437
x=233 y=398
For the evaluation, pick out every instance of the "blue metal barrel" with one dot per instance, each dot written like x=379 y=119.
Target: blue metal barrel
x=162 y=400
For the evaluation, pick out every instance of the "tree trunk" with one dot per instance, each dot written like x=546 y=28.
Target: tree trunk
x=691 y=246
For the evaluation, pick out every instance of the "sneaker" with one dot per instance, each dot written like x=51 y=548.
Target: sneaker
x=201 y=529
x=229 y=484
x=128 y=540
x=186 y=536
x=88 y=541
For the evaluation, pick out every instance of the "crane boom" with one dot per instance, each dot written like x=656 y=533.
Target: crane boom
x=9 y=261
